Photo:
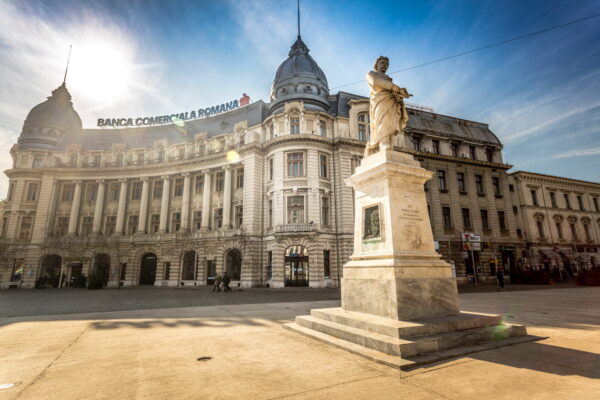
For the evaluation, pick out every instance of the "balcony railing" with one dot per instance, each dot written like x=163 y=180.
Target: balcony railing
x=294 y=228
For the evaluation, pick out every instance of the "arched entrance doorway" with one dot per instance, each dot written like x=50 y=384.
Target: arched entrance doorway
x=296 y=266
x=148 y=269
x=50 y=271
x=102 y=267
x=188 y=268
x=233 y=264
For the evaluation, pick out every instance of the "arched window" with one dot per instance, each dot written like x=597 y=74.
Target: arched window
x=233 y=264
x=294 y=124
x=364 y=132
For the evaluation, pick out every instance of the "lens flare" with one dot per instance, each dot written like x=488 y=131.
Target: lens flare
x=232 y=156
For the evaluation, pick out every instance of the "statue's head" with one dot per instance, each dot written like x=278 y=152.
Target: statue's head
x=381 y=64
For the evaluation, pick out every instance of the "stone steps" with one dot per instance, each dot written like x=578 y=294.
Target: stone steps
x=404 y=343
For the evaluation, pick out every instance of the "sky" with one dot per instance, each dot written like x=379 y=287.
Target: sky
x=539 y=95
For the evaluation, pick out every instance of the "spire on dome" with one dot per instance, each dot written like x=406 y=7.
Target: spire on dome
x=67 y=69
x=298 y=48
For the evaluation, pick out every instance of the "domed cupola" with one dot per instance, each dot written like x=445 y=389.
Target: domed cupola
x=47 y=122
x=299 y=78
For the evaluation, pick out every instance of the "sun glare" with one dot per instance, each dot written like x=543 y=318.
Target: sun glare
x=100 y=70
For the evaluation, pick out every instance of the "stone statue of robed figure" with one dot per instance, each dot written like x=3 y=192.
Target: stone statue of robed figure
x=388 y=112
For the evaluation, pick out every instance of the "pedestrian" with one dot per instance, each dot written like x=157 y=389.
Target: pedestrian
x=226 y=280
x=500 y=277
x=217 y=284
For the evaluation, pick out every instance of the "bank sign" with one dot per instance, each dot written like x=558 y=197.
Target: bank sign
x=177 y=119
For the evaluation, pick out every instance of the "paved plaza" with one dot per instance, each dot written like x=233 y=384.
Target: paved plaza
x=150 y=349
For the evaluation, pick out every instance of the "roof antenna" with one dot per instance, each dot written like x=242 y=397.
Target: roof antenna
x=298 y=19
x=67 y=69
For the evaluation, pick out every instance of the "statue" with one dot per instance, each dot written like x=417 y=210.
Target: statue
x=387 y=109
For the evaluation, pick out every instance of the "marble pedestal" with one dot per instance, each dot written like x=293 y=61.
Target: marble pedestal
x=399 y=299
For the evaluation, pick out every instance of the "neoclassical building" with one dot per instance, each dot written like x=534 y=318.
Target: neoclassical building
x=559 y=221
x=257 y=191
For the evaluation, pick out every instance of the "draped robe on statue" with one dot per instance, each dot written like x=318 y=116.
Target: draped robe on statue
x=388 y=112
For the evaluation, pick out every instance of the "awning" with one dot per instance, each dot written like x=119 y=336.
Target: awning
x=550 y=254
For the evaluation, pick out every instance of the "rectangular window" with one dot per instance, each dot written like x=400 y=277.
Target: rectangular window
x=323 y=166
x=123 y=273
x=489 y=154
x=62 y=226
x=511 y=188
x=270 y=215
x=4 y=225
x=113 y=193
x=485 y=223
x=91 y=192
x=466 y=215
x=595 y=199
x=86 y=225
x=573 y=232
x=219 y=181
x=32 y=191
x=239 y=216
x=540 y=228
x=136 y=190
x=496 y=185
x=25 y=229
x=167 y=268
x=132 y=224
x=326 y=264
x=442 y=179
x=242 y=139
x=37 y=162
x=96 y=160
x=160 y=157
x=199 y=184
x=460 y=178
x=181 y=153
x=559 y=230
x=580 y=202
x=197 y=220
x=271 y=169
x=479 y=184
x=553 y=199
x=178 y=188
x=354 y=162
x=11 y=189
x=586 y=230
x=109 y=226
x=567 y=201
x=515 y=210
x=295 y=209
x=472 y=153
x=154 y=223
x=435 y=146
x=447 y=217
x=417 y=141
x=323 y=128
x=325 y=211
x=239 y=178
x=140 y=158
x=455 y=149
x=534 y=199
x=269 y=264
x=157 y=189
x=502 y=220
x=363 y=127
x=67 y=192
x=295 y=125
x=119 y=159
x=218 y=218
x=176 y=222
x=295 y=162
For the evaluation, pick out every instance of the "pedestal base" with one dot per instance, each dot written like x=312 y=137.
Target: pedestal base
x=409 y=344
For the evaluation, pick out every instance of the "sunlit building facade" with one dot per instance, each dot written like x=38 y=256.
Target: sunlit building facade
x=258 y=191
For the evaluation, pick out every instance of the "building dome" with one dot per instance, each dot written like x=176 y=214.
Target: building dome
x=48 y=121
x=299 y=78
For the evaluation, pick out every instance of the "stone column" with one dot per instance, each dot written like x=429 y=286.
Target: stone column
x=185 y=203
x=121 y=208
x=143 y=216
x=97 y=226
x=74 y=217
x=205 y=226
x=164 y=205
x=227 y=199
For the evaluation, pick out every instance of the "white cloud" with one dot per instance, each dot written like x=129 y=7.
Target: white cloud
x=578 y=153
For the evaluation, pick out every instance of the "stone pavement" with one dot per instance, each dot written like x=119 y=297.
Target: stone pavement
x=153 y=354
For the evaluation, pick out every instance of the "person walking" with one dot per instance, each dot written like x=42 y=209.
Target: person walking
x=226 y=280
x=217 y=284
x=500 y=277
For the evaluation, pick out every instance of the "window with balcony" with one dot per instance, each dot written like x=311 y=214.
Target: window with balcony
x=219 y=181
x=485 y=222
x=502 y=220
x=479 y=184
x=295 y=164
x=136 y=190
x=323 y=166
x=132 y=224
x=466 y=217
x=447 y=217
x=364 y=130
x=154 y=223
x=109 y=226
x=462 y=185
x=157 y=189
x=32 y=191
x=86 y=226
x=442 y=180
x=176 y=222
x=62 y=226
x=239 y=178
x=25 y=228
x=197 y=220
x=325 y=211
x=295 y=209
x=218 y=218
x=67 y=192
x=239 y=216
x=294 y=124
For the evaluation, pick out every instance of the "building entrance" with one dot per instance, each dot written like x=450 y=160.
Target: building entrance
x=148 y=269
x=102 y=267
x=50 y=272
x=296 y=266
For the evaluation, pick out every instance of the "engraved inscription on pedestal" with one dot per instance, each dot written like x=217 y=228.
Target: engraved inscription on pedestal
x=372 y=225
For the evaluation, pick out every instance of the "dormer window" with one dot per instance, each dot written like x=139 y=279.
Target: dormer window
x=294 y=124
x=363 y=127
x=161 y=156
